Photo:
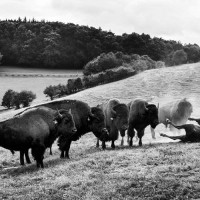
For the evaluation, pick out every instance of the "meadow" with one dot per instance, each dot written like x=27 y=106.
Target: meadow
x=160 y=169
x=35 y=80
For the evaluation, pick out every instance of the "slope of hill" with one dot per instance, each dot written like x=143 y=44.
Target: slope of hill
x=156 y=85
x=154 y=171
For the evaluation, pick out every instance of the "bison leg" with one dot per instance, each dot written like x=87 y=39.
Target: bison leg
x=38 y=151
x=97 y=144
x=62 y=155
x=67 y=147
x=180 y=137
x=178 y=127
x=103 y=145
x=122 y=141
x=22 y=157
x=65 y=150
x=27 y=157
x=193 y=119
x=122 y=133
x=153 y=133
x=131 y=134
x=140 y=135
x=113 y=144
x=42 y=164
x=50 y=150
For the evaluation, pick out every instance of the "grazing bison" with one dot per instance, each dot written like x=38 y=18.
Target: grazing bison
x=141 y=114
x=86 y=120
x=116 y=118
x=36 y=128
x=192 y=133
x=178 y=112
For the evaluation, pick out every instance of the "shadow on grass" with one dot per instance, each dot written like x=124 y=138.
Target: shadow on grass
x=31 y=168
x=76 y=157
x=136 y=146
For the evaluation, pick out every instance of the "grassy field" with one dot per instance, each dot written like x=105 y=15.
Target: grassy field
x=161 y=169
x=36 y=80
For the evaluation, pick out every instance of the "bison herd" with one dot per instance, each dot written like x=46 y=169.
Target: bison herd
x=38 y=127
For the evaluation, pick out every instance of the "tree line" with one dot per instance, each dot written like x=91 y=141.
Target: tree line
x=70 y=46
x=103 y=69
x=15 y=99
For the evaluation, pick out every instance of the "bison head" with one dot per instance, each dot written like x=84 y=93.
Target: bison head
x=65 y=123
x=96 y=122
x=119 y=116
x=152 y=115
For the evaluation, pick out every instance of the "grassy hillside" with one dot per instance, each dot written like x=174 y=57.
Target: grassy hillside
x=155 y=171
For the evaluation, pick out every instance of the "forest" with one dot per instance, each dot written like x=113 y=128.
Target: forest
x=57 y=45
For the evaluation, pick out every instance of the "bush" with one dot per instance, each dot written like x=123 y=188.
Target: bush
x=108 y=61
x=102 y=63
x=70 y=86
x=12 y=98
x=108 y=76
x=151 y=64
x=78 y=84
x=8 y=99
x=160 y=64
x=61 y=90
x=179 y=57
x=139 y=65
x=50 y=91
x=193 y=53
x=26 y=97
x=16 y=101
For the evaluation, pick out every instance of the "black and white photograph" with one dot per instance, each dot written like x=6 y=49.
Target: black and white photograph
x=99 y=99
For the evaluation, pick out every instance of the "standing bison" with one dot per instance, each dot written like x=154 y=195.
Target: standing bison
x=36 y=128
x=86 y=120
x=116 y=119
x=141 y=114
x=178 y=112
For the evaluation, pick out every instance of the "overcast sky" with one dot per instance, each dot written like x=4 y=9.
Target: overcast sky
x=170 y=19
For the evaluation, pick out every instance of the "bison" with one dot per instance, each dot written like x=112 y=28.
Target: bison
x=178 y=112
x=116 y=119
x=86 y=120
x=192 y=132
x=141 y=114
x=193 y=119
x=35 y=128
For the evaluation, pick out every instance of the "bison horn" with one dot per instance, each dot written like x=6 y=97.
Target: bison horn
x=145 y=107
x=113 y=112
x=59 y=113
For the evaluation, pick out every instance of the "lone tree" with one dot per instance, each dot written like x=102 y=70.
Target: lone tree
x=8 y=99
x=78 y=84
x=50 y=91
x=26 y=97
